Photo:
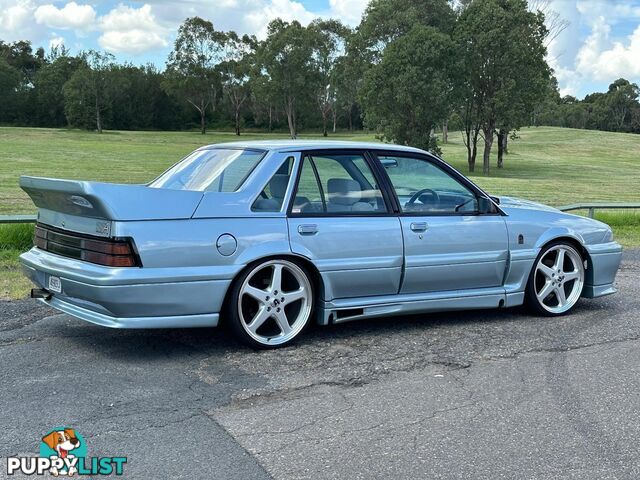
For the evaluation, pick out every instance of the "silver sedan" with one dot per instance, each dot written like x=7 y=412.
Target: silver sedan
x=268 y=236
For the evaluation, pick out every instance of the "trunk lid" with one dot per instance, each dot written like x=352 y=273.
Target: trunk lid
x=109 y=201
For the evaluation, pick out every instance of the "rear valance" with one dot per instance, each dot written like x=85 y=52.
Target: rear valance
x=110 y=201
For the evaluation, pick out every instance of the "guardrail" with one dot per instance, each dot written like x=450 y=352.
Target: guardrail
x=591 y=207
x=18 y=218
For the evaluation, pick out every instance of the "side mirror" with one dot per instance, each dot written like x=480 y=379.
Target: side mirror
x=485 y=205
x=496 y=200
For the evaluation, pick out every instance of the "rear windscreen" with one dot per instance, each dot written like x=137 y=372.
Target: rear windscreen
x=213 y=170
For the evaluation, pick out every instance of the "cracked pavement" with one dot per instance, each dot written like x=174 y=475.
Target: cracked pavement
x=483 y=394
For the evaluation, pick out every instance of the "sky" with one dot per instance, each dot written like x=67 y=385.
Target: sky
x=600 y=43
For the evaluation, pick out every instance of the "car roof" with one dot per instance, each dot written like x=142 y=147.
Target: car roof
x=297 y=145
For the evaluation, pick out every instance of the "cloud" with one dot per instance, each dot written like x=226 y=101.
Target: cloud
x=604 y=59
x=288 y=10
x=349 y=11
x=15 y=19
x=70 y=17
x=56 y=41
x=130 y=30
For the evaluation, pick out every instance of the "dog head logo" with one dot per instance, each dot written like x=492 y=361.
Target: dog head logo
x=62 y=441
x=65 y=444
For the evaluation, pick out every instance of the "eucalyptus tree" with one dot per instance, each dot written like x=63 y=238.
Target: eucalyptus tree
x=384 y=21
x=286 y=59
x=86 y=94
x=191 y=68
x=410 y=90
x=502 y=49
x=328 y=42
x=235 y=73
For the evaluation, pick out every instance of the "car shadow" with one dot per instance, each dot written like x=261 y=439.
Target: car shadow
x=187 y=344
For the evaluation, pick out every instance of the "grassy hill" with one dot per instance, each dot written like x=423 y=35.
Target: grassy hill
x=553 y=165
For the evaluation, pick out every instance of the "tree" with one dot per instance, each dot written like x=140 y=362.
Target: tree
x=328 y=39
x=348 y=75
x=621 y=99
x=235 y=73
x=384 y=21
x=9 y=84
x=502 y=47
x=85 y=93
x=191 y=69
x=410 y=91
x=286 y=60
x=49 y=84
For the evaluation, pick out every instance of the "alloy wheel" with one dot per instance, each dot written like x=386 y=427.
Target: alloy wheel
x=559 y=278
x=274 y=302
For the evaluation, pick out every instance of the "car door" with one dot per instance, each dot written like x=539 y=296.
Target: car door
x=340 y=219
x=449 y=244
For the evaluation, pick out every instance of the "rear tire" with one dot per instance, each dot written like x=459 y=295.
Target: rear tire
x=270 y=303
x=556 y=281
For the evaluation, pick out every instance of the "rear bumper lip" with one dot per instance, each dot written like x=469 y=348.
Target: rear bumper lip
x=178 y=321
x=176 y=301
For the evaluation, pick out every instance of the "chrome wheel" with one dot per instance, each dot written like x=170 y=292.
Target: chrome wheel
x=559 y=278
x=274 y=302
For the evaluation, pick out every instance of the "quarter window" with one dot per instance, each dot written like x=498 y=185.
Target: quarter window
x=423 y=187
x=272 y=197
x=341 y=184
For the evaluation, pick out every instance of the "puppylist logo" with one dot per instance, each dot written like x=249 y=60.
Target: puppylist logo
x=63 y=451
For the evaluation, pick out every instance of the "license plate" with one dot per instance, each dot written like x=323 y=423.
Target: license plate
x=55 y=285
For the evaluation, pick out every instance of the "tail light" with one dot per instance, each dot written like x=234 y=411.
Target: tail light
x=110 y=252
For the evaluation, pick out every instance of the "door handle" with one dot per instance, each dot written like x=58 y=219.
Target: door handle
x=418 y=226
x=308 y=229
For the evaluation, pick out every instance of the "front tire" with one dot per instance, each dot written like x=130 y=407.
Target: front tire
x=271 y=303
x=556 y=281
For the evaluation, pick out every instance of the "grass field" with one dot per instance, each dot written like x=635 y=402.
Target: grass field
x=552 y=165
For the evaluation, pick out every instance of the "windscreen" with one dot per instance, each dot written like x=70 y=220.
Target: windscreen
x=213 y=170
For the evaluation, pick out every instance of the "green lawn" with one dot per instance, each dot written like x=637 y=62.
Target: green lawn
x=552 y=165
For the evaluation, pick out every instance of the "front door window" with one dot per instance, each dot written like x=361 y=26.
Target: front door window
x=424 y=188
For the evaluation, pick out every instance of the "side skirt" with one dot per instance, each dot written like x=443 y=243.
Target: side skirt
x=345 y=310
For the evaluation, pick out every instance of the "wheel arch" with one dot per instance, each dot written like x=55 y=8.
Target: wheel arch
x=579 y=246
x=310 y=268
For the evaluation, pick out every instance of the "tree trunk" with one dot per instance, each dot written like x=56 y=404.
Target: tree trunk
x=486 y=156
x=505 y=140
x=335 y=119
x=203 y=128
x=237 y=121
x=445 y=131
x=474 y=150
x=500 y=137
x=467 y=143
x=270 y=117
x=350 y=117
x=324 y=124
x=98 y=119
x=290 y=118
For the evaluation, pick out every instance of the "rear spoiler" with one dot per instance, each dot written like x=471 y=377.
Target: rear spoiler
x=110 y=201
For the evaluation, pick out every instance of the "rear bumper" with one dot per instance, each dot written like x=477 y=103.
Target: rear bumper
x=604 y=261
x=130 y=297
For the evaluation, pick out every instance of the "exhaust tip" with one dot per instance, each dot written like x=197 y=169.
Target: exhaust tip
x=41 y=293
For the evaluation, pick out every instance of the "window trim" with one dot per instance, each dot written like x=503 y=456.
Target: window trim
x=337 y=152
x=442 y=165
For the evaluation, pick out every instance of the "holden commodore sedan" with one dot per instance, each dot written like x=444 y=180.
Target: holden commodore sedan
x=270 y=236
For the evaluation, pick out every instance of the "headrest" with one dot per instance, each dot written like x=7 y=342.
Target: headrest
x=343 y=191
x=278 y=185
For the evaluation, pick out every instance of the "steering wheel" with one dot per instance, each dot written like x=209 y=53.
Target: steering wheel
x=420 y=193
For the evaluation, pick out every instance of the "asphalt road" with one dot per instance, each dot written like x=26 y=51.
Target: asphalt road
x=483 y=394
